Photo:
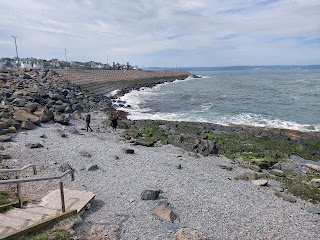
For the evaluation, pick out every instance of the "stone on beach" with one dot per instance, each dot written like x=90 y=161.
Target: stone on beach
x=313 y=167
x=150 y=194
x=164 y=212
x=260 y=182
x=4 y=138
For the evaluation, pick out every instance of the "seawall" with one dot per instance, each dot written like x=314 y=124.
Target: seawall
x=106 y=81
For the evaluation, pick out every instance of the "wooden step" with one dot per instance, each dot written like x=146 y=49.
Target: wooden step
x=16 y=221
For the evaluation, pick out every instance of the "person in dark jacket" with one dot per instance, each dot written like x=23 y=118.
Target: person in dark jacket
x=88 y=121
x=114 y=122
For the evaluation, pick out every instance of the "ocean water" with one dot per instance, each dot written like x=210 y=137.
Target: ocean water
x=281 y=99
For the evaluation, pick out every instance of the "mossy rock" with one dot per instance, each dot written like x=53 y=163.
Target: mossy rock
x=146 y=142
x=123 y=125
x=131 y=134
x=277 y=172
x=264 y=163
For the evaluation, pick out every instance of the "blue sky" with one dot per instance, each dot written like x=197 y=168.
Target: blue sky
x=164 y=33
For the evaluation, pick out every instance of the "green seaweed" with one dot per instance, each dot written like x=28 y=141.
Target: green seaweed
x=297 y=186
x=155 y=132
x=250 y=147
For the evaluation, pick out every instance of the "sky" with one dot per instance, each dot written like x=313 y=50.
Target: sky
x=164 y=33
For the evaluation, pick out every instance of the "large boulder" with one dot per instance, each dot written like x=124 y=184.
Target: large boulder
x=20 y=102
x=23 y=116
x=27 y=125
x=31 y=106
x=44 y=114
x=63 y=119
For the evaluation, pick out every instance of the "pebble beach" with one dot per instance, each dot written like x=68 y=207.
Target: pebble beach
x=202 y=196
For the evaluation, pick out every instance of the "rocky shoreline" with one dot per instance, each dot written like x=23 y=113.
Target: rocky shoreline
x=260 y=155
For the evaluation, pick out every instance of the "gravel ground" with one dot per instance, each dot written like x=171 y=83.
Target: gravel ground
x=204 y=196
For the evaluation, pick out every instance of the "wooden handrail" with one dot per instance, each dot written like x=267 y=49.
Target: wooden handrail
x=23 y=180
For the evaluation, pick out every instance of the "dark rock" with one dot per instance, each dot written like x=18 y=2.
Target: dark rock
x=150 y=194
x=27 y=125
x=92 y=167
x=27 y=76
x=5 y=156
x=34 y=145
x=85 y=154
x=179 y=166
x=264 y=163
x=128 y=151
x=226 y=167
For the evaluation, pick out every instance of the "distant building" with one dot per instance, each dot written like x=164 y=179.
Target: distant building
x=37 y=66
x=54 y=63
x=25 y=64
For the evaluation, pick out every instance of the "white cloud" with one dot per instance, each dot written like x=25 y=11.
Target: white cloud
x=195 y=33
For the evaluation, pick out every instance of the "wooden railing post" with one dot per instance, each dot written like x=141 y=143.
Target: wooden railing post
x=63 y=206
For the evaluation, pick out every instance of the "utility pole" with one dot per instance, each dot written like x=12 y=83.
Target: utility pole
x=15 y=42
x=65 y=54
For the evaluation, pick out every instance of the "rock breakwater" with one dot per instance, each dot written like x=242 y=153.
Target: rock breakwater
x=29 y=98
x=104 y=82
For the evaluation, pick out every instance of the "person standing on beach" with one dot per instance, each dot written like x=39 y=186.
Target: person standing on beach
x=114 y=122
x=88 y=121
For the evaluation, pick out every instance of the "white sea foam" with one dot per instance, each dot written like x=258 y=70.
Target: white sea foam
x=241 y=119
x=263 y=121
x=114 y=92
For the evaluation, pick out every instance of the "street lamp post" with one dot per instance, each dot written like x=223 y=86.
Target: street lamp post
x=15 y=42
x=65 y=54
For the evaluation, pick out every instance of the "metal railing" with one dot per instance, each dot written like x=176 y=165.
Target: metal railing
x=23 y=180
x=20 y=169
x=18 y=172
